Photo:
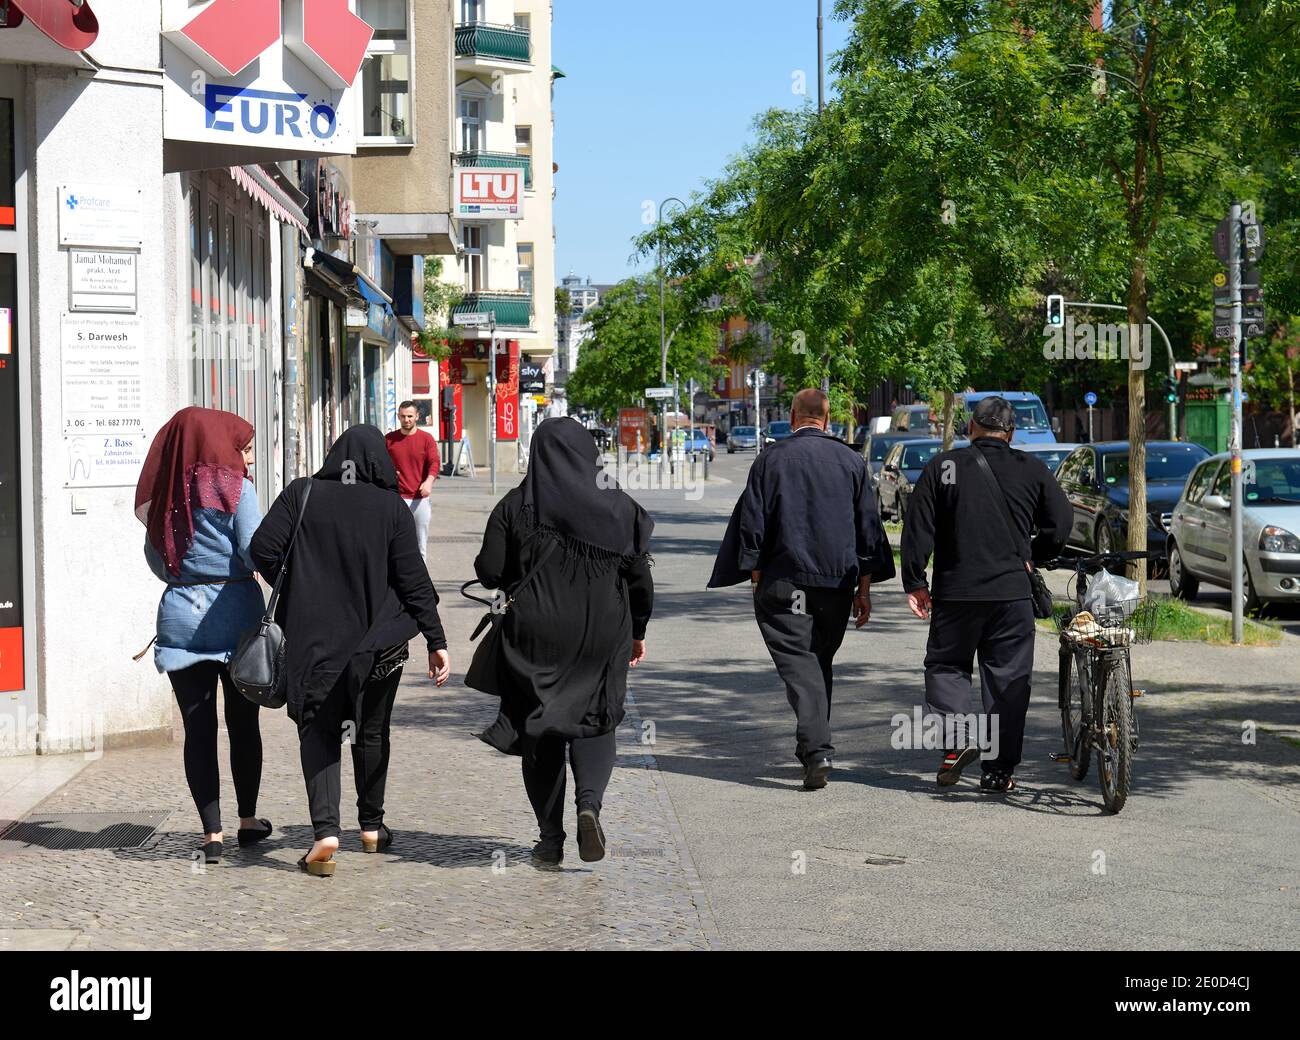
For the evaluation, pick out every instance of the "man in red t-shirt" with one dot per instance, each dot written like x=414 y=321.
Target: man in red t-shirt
x=415 y=454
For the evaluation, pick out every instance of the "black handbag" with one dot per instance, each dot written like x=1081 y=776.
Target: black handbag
x=257 y=665
x=1038 y=590
x=486 y=673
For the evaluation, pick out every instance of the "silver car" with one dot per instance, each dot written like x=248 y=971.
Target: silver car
x=742 y=438
x=1200 y=529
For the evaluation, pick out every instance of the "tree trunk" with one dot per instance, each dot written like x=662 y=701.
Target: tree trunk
x=948 y=408
x=1137 y=429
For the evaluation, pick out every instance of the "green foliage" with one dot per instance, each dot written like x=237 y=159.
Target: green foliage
x=439 y=298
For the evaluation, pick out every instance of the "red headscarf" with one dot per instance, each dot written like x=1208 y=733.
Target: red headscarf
x=195 y=462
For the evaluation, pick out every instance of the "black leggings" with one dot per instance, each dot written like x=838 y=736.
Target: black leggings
x=367 y=714
x=592 y=759
x=196 y=693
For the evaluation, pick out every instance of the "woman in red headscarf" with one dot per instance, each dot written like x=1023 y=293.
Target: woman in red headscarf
x=200 y=510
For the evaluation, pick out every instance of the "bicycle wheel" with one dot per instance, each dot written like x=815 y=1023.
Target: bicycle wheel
x=1115 y=752
x=1072 y=696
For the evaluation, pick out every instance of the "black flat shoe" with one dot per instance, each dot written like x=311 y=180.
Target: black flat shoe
x=591 y=839
x=252 y=835
x=212 y=851
x=996 y=782
x=384 y=841
x=816 y=772
x=549 y=853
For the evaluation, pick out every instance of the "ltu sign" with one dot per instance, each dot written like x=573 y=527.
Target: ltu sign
x=265 y=77
x=492 y=194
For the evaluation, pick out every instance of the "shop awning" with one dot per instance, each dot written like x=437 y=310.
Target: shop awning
x=69 y=23
x=274 y=197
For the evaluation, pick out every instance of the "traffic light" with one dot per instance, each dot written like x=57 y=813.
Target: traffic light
x=1056 y=310
x=1171 y=390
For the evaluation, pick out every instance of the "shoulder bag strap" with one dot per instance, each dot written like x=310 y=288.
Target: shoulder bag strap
x=1001 y=498
x=522 y=584
x=284 y=567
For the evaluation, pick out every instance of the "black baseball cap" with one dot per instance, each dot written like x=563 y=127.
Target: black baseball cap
x=995 y=413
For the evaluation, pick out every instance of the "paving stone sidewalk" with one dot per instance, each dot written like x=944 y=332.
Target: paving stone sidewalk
x=459 y=876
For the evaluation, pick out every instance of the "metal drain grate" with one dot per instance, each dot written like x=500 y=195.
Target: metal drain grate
x=72 y=831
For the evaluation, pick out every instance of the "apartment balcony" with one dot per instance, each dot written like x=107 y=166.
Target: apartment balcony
x=481 y=46
x=499 y=160
x=513 y=310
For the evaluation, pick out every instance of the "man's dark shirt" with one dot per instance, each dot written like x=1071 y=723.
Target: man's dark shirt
x=952 y=513
x=807 y=516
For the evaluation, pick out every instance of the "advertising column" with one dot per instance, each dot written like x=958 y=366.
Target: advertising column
x=507 y=380
x=12 y=672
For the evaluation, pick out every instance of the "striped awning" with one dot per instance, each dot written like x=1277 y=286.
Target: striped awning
x=259 y=184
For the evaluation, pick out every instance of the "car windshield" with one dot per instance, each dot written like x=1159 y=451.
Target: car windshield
x=742 y=431
x=916 y=457
x=1030 y=415
x=1051 y=459
x=779 y=427
x=1274 y=480
x=880 y=447
x=1167 y=463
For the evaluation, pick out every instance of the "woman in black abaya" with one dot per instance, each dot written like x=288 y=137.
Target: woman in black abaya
x=356 y=593
x=570 y=636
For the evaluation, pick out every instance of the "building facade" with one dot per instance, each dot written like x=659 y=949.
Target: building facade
x=200 y=204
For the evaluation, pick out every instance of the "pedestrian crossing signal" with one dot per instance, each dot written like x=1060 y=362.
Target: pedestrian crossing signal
x=1056 y=310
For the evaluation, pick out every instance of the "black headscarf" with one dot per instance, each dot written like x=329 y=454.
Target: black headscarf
x=360 y=456
x=567 y=493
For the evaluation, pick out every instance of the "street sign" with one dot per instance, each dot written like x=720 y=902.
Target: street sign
x=659 y=393
x=1223 y=331
x=1223 y=240
x=472 y=319
x=1090 y=399
x=1252 y=328
x=1186 y=366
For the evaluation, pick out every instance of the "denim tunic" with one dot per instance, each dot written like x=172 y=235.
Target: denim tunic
x=204 y=622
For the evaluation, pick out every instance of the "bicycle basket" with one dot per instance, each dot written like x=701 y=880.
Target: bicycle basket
x=1118 y=627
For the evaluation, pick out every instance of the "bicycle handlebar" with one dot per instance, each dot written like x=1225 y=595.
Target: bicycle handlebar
x=1078 y=563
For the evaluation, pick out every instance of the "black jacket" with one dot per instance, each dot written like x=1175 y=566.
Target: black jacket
x=952 y=513
x=807 y=516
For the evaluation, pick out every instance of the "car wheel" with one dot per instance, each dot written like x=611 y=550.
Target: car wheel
x=1182 y=583
x=1104 y=538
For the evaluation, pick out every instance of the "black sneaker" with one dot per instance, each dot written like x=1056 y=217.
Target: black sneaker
x=816 y=772
x=953 y=763
x=591 y=839
x=549 y=853
x=997 y=781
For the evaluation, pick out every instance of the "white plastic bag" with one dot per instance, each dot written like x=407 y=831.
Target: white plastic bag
x=1109 y=594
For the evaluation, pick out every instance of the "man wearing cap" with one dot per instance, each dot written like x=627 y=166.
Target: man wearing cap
x=806 y=533
x=980 y=601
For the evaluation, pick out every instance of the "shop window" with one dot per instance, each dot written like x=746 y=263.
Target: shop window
x=386 y=94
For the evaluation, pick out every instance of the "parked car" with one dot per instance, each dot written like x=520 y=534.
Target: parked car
x=1052 y=455
x=742 y=438
x=1032 y=423
x=914 y=418
x=877 y=447
x=777 y=431
x=1200 y=533
x=901 y=470
x=697 y=442
x=839 y=430
x=1095 y=479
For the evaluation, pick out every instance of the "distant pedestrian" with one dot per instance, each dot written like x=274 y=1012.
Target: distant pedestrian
x=356 y=594
x=981 y=602
x=573 y=551
x=807 y=534
x=415 y=455
x=200 y=510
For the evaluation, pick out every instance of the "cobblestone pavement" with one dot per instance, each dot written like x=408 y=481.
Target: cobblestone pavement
x=459 y=876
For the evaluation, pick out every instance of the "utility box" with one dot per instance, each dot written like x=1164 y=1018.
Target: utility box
x=1209 y=423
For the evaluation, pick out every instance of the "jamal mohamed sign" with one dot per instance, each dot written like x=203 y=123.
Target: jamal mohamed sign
x=271 y=77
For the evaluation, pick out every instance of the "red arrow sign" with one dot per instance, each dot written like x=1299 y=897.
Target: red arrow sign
x=233 y=33
x=329 y=39
x=72 y=27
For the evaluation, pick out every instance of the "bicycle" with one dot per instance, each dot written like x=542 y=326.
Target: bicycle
x=1095 y=690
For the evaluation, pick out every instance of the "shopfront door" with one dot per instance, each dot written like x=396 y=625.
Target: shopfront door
x=18 y=685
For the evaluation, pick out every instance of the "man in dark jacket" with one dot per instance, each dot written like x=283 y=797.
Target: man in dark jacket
x=808 y=535
x=981 y=595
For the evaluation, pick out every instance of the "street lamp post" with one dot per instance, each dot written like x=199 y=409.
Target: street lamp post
x=663 y=337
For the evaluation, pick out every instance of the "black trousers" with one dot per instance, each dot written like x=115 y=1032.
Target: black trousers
x=196 y=693
x=362 y=716
x=1002 y=634
x=592 y=761
x=803 y=628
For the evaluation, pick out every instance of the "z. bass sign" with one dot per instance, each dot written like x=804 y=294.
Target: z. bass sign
x=263 y=75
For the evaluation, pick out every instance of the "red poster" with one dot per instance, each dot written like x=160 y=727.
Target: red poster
x=507 y=376
x=11 y=660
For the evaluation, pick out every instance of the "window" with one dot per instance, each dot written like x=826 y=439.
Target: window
x=523 y=140
x=471 y=11
x=472 y=261
x=1173 y=462
x=524 y=22
x=471 y=124
x=526 y=267
x=385 y=94
x=1200 y=483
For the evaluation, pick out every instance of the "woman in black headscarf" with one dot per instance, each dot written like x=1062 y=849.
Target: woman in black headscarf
x=357 y=592
x=573 y=629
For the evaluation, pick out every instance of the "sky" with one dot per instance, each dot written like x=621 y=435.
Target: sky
x=660 y=95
